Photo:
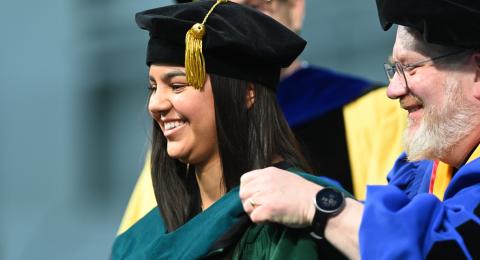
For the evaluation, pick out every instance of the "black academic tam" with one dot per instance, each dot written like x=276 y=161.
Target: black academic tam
x=453 y=23
x=240 y=42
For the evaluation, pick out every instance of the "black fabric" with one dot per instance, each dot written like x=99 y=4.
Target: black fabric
x=328 y=251
x=477 y=210
x=453 y=23
x=240 y=42
x=323 y=140
x=470 y=232
x=447 y=249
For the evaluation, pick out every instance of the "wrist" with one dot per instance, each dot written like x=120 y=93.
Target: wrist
x=311 y=211
x=311 y=206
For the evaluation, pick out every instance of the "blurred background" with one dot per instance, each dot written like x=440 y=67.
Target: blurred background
x=73 y=122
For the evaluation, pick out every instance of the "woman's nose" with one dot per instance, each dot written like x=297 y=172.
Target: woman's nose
x=159 y=103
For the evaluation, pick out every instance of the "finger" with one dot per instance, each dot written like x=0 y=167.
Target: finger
x=249 y=205
x=245 y=192
x=248 y=177
x=251 y=188
x=260 y=215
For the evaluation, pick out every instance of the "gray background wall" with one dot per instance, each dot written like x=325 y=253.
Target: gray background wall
x=73 y=126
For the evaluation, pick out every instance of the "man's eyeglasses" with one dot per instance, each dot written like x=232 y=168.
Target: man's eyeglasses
x=397 y=67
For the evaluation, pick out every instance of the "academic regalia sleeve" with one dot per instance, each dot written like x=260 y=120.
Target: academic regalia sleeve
x=395 y=226
x=410 y=177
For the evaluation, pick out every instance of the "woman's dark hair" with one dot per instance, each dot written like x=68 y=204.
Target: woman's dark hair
x=248 y=139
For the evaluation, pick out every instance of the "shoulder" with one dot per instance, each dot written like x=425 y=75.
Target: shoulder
x=411 y=177
x=315 y=79
x=466 y=178
x=317 y=89
x=317 y=71
x=138 y=237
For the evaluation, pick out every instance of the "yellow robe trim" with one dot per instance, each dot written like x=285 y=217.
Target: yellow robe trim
x=443 y=175
x=374 y=128
x=142 y=200
x=475 y=154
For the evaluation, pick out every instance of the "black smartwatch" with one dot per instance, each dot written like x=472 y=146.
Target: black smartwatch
x=328 y=202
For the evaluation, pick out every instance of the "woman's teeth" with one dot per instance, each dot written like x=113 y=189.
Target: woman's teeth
x=172 y=125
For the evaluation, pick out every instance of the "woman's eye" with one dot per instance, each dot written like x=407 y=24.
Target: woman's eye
x=152 y=87
x=178 y=87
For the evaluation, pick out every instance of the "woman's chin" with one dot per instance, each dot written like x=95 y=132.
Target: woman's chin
x=174 y=153
x=178 y=156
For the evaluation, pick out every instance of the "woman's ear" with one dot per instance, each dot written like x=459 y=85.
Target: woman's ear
x=250 y=98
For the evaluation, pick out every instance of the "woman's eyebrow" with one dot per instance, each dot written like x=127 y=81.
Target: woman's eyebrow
x=168 y=75
x=171 y=74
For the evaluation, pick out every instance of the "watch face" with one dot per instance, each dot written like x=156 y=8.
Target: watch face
x=329 y=200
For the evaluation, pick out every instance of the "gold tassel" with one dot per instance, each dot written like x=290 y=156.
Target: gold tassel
x=194 y=60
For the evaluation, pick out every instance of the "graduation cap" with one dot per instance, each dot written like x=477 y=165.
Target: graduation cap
x=453 y=23
x=219 y=37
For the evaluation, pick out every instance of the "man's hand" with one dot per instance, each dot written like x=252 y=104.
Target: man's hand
x=275 y=195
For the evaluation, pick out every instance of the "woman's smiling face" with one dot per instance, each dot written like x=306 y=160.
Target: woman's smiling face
x=185 y=115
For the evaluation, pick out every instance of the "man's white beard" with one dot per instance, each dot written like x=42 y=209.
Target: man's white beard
x=441 y=128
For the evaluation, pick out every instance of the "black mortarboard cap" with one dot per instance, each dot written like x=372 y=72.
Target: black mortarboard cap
x=453 y=23
x=239 y=41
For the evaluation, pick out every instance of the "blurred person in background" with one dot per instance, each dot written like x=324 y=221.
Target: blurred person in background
x=346 y=127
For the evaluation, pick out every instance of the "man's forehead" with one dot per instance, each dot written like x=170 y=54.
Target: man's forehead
x=403 y=45
x=409 y=43
x=410 y=39
x=400 y=53
x=406 y=39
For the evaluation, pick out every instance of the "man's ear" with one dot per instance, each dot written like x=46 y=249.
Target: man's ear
x=250 y=98
x=476 y=64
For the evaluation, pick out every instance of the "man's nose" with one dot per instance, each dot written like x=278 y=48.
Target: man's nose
x=397 y=87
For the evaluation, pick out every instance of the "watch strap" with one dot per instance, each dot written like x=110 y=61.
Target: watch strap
x=318 y=225
x=321 y=216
